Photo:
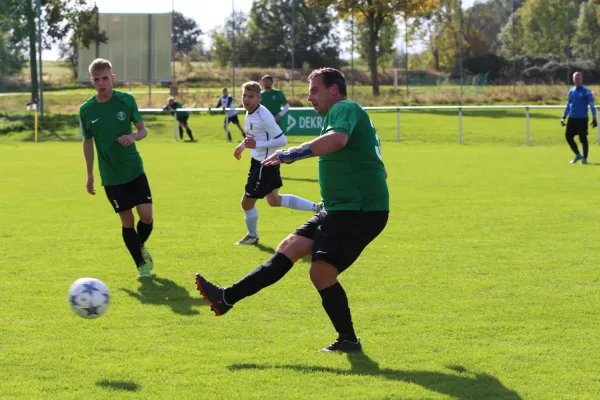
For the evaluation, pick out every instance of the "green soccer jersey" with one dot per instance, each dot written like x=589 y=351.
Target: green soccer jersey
x=273 y=99
x=105 y=122
x=353 y=177
x=180 y=114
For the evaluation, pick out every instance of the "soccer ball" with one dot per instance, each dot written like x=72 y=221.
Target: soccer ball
x=89 y=297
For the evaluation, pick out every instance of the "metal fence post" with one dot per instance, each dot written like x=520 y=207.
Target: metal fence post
x=460 y=129
x=527 y=125
x=175 y=125
x=398 y=124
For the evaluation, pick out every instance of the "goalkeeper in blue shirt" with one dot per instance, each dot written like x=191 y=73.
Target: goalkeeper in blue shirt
x=578 y=101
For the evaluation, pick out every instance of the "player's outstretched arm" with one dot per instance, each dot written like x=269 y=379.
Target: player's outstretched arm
x=320 y=146
x=88 y=153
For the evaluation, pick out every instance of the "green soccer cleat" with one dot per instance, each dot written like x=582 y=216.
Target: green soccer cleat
x=584 y=161
x=147 y=258
x=577 y=158
x=144 y=271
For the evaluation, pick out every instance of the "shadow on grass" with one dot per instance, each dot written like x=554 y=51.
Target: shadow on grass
x=300 y=179
x=126 y=386
x=164 y=292
x=466 y=385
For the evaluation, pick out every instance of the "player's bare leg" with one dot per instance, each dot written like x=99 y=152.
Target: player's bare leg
x=144 y=229
x=133 y=243
x=290 y=250
x=335 y=302
x=251 y=219
x=274 y=199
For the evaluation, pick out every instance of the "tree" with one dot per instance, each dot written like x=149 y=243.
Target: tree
x=587 y=36
x=221 y=50
x=511 y=37
x=545 y=26
x=385 y=48
x=374 y=13
x=270 y=30
x=84 y=31
x=186 y=33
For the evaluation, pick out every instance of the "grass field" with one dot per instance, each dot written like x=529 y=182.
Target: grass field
x=484 y=285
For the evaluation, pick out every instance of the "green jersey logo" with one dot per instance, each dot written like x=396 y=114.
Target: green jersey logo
x=121 y=116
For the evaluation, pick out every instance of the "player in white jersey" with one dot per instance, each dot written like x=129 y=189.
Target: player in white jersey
x=226 y=101
x=263 y=138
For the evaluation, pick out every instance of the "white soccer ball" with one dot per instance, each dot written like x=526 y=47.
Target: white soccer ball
x=89 y=297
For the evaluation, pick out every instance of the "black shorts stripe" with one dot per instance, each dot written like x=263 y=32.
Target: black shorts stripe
x=278 y=136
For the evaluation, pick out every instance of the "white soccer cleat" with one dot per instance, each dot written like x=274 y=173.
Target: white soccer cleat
x=248 y=240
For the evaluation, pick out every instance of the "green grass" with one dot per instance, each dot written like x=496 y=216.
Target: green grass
x=484 y=285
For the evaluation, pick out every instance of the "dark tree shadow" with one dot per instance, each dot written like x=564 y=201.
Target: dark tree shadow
x=164 y=292
x=300 y=179
x=467 y=385
x=127 y=386
x=271 y=250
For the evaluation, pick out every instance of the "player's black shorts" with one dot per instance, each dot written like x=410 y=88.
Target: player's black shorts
x=128 y=195
x=183 y=120
x=340 y=236
x=577 y=126
x=233 y=120
x=262 y=180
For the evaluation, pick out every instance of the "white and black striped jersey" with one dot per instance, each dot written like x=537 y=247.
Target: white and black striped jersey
x=227 y=102
x=269 y=137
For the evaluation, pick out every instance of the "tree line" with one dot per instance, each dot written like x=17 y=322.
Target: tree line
x=535 y=37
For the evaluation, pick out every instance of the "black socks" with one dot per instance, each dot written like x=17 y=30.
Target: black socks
x=335 y=303
x=262 y=276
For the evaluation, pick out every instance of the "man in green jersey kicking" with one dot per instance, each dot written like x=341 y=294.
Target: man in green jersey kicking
x=106 y=120
x=352 y=178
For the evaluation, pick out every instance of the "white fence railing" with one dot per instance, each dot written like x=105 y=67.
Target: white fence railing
x=398 y=110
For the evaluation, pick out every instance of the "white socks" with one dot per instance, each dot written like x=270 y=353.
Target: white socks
x=251 y=219
x=297 y=203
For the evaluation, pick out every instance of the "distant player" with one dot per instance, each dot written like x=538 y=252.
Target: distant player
x=226 y=101
x=578 y=101
x=106 y=120
x=353 y=185
x=273 y=99
x=263 y=138
x=182 y=117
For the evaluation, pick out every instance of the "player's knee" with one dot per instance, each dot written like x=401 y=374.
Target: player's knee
x=127 y=218
x=247 y=204
x=274 y=200
x=322 y=275
x=295 y=247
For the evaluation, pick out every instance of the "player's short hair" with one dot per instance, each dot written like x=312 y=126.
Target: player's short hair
x=100 y=64
x=331 y=76
x=224 y=88
x=269 y=77
x=252 y=86
x=171 y=98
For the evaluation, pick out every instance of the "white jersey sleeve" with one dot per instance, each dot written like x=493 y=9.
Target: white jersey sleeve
x=261 y=125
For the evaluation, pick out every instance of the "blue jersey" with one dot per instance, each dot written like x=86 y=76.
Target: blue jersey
x=578 y=101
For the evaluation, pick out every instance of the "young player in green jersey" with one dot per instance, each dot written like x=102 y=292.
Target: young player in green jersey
x=273 y=99
x=353 y=185
x=182 y=117
x=106 y=120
